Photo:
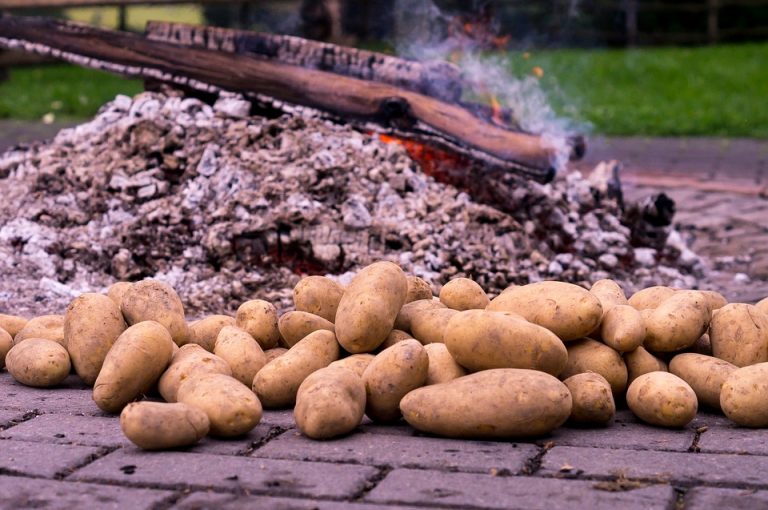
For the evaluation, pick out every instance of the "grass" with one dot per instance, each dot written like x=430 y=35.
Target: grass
x=137 y=16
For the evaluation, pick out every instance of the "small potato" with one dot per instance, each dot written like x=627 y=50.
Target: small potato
x=391 y=375
x=369 y=307
x=609 y=293
x=428 y=326
x=12 y=324
x=762 y=305
x=116 y=292
x=151 y=300
x=409 y=311
x=190 y=361
x=651 y=297
x=677 y=322
x=714 y=299
x=38 y=362
x=661 y=398
x=6 y=342
x=294 y=326
x=92 y=324
x=241 y=352
x=588 y=355
x=473 y=406
x=418 y=289
x=232 y=408
x=205 y=331
x=479 y=340
x=160 y=426
x=393 y=337
x=330 y=403
x=567 y=310
x=641 y=362
x=592 y=399
x=739 y=334
x=464 y=294
x=318 y=295
x=50 y=327
x=274 y=353
x=704 y=374
x=622 y=328
x=133 y=365
x=277 y=383
x=744 y=394
x=442 y=367
x=259 y=319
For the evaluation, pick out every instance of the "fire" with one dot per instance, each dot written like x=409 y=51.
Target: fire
x=496 y=116
x=444 y=166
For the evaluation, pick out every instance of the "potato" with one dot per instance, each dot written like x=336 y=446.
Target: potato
x=567 y=310
x=369 y=306
x=205 y=331
x=277 y=383
x=318 y=295
x=622 y=328
x=409 y=311
x=190 y=361
x=703 y=345
x=151 y=300
x=477 y=406
x=92 y=324
x=50 y=327
x=592 y=399
x=651 y=297
x=714 y=299
x=762 y=305
x=232 y=408
x=677 y=322
x=294 y=326
x=259 y=319
x=641 y=362
x=160 y=426
x=428 y=326
x=463 y=294
x=116 y=292
x=133 y=365
x=391 y=375
x=241 y=352
x=393 y=337
x=442 y=367
x=417 y=289
x=661 y=398
x=274 y=353
x=739 y=334
x=744 y=394
x=330 y=403
x=479 y=340
x=589 y=355
x=38 y=362
x=704 y=374
x=12 y=324
x=609 y=293
x=356 y=363
x=6 y=342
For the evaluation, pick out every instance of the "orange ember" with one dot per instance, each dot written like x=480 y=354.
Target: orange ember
x=444 y=166
x=496 y=116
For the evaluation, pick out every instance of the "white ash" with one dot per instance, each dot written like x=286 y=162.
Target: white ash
x=227 y=207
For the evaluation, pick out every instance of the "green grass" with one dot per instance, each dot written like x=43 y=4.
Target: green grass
x=137 y=16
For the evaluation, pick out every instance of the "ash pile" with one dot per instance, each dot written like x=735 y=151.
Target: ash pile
x=227 y=206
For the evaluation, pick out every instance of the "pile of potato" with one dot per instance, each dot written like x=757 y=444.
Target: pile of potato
x=461 y=365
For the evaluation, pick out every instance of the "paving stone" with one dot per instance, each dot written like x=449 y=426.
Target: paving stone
x=660 y=466
x=734 y=440
x=8 y=416
x=282 y=418
x=625 y=435
x=403 y=451
x=71 y=397
x=407 y=486
x=368 y=427
x=68 y=429
x=206 y=500
x=41 y=459
x=276 y=477
x=18 y=492
x=709 y=420
x=706 y=498
x=230 y=446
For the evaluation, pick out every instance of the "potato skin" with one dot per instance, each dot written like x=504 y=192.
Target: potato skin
x=567 y=310
x=161 y=426
x=356 y=363
x=241 y=352
x=38 y=362
x=609 y=293
x=418 y=289
x=640 y=362
x=369 y=307
x=480 y=340
x=259 y=319
x=294 y=326
x=205 y=331
x=393 y=337
x=133 y=365
x=429 y=326
x=116 y=291
x=592 y=399
x=318 y=295
x=274 y=353
x=714 y=299
x=232 y=408
x=663 y=399
x=463 y=294
x=330 y=403
x=188 y=362
x=6 y=342
x=704 y=374
x=739 y=334
x=476 y=406
x=50 y=327
x=391 y=375
x=650 y=297
x=411 y=309
x=12 y=324
x=151 y=300
x=762 y=305
x=743 y=396
x=442 y=367
x=278 y=382
x=677 y=322
x=622 y=328
x=92 y=324
x=589 y=355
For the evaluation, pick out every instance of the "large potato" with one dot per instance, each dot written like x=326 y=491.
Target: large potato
x=739 y=334
x=50 y=327
x=205 y=331
x=91 y=325
x=277 y=383
x=330 y=403
x=133 y=365
x=116 y=292
x=160 y=426
x=588 y=355
x=391 y=375
x=622 y=328
x=357 y=363
x=677 y=322
x=232 y=408
x=503 y=403
x=762 y=305
x=38 y=362
x=641 y=362
x=369 y=306
x=744 y=395
x=6 y=342
x=714 y=299
x=12 y=324
x=318 y=295
x=274 y=353
x=704 y=374
x=592 y=398
x=294 y=326
x=259 y=319
x=442 y=366
x=393 y=337
x=567 y=310
x=429 y=326
x=241 y=352
x=650 y=298
x=609 y=293
x=463 y=294
x=189 y=362
x=151 y=300
x=663 y=399
x=411 y=309
x=479 y=340
x=418 y=289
